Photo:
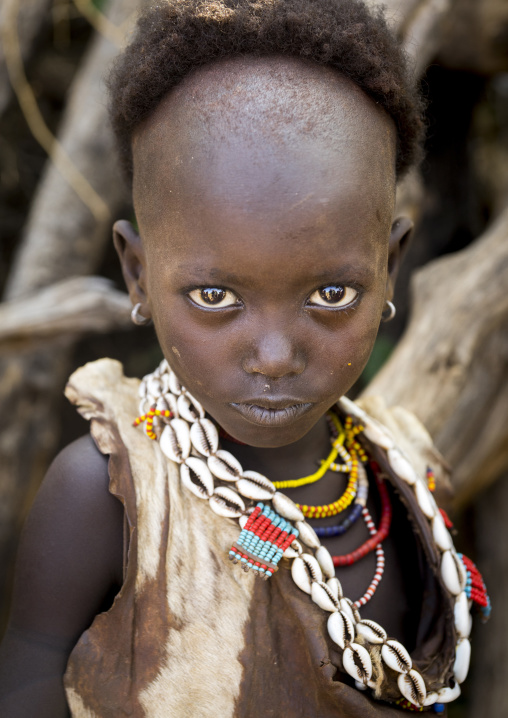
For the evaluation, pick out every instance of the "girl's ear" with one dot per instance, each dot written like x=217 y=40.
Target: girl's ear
x=132 y=258
x=400 y=236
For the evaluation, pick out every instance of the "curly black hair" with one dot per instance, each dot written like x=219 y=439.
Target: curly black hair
x=174 y=37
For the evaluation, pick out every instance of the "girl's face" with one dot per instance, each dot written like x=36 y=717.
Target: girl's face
x=264 y=256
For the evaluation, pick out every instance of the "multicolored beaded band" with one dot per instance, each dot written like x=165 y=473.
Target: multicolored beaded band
x=360 y=502
x=262 y=541
x=336 y=507
x=475 y=589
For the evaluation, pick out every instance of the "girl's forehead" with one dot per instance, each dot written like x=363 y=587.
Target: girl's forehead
x=275 y=135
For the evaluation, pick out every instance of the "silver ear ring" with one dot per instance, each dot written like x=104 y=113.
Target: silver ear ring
x=389 y=312
x=138 y=318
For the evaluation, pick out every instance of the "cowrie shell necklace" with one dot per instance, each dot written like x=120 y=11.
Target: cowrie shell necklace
x=188 y=438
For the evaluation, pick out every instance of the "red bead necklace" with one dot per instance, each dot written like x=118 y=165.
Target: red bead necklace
x=380 y=535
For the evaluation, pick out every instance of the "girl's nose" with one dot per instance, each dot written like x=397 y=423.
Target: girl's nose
x=274 y=354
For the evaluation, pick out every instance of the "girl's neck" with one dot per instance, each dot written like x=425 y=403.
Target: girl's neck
x=285 y=462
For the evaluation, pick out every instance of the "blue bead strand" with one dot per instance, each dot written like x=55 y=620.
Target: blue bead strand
x=343 y=526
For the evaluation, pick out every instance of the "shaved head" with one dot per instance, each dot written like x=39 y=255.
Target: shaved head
x=236 y=127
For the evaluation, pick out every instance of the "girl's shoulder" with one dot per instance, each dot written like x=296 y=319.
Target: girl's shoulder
x=69 y=566
x=71 y=550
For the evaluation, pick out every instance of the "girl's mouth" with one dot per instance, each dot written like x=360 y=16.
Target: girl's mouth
x=271 y=415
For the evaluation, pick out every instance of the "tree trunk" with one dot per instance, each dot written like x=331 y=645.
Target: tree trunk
x=451 y=366
x=62 y=238
x=31 y=16
x=489 y=671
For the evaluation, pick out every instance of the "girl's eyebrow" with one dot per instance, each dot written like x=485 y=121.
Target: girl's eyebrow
x=358 y=272
x=210 y=273
x=354 y=271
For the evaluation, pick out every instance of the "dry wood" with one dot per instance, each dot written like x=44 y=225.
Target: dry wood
x=72 y=306
x=32 y=15
x=62 y=239
x=489 y=671
x=418 y=23
x=474 y=37
x=451 y=366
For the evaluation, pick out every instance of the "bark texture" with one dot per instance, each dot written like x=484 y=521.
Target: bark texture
x=488 y=694
x=62 y=239
x=31 y=15
x=451 y=366
x=71 y=307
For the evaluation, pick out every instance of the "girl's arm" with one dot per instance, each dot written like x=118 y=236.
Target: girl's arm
x=68 y=567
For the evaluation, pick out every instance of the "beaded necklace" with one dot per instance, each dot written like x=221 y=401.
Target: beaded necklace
x=337 y=439
x=341 y=528
x=377 y=537
x=273 y=525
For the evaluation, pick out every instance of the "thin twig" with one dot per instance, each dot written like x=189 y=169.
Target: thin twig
x=35 y=120
x=100 y=22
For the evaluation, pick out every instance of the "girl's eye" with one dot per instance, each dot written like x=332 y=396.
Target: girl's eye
x=334 y=295
x=213 y=297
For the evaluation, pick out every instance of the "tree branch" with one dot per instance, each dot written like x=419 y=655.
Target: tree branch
x=451 y=366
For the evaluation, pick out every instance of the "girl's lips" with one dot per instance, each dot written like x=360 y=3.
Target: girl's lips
x=270 y=416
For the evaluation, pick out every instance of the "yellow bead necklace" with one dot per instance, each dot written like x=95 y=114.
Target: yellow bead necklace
x=328 y=463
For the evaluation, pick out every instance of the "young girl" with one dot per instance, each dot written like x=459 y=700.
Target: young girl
x=264 y=140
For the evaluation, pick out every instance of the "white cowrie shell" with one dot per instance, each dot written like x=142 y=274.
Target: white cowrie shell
x=462 y=615
x=430 y=699
x=142 y=389
x=371 y=631
x=461 y=569
x=325 y=561
x=346 y=606
x=396 y=656
x=357 y=662
x=243 y=520
x=323 y=596
x=440 y=533
x=163 y=405
x=412 y=687
x=189 y=408
x=165 y=383
x=293 y=550
x=175 y=440
x=151 y=401
x=425 y=500
x=171 y=400
x=360 y=686
x=341 y=628
x=174 y=385
x=462 y=659
x=154 y=386
x=354 y=610
x=204 y=437
x=255 y=486
x=304 y=570
x=447 y=695
x=197 y=478
x=374 y=433
x=307 y=534
x=451 y=573
x=351 y=408
x=286 y=508
x=224 y=466
x=402 y=467
x=226 y=502
x=144 y=406
x=335 y=585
